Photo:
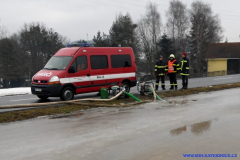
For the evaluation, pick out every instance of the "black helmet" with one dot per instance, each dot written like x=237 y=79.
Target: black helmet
x=160 y=56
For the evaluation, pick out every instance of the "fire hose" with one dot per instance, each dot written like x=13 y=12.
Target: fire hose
x=79 y=100
x=61 y=102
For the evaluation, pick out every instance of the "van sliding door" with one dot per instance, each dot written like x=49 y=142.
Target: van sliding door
x=99 y=72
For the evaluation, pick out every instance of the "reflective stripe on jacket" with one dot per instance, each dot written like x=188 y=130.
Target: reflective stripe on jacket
x=184 y=67
x=160 y=68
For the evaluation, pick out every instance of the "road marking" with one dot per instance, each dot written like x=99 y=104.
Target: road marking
x=222 y=78
x=24 y=99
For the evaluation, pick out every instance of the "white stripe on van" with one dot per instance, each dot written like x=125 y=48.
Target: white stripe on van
x=97 y=77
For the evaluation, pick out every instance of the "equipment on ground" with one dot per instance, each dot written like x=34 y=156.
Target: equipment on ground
x=104 y=93
x=144 y=87
x=116 y=89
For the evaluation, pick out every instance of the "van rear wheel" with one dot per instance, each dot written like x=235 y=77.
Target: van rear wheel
x=67 y=94
x=126 y=85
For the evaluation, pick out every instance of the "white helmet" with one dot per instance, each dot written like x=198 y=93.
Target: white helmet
x=172 y=55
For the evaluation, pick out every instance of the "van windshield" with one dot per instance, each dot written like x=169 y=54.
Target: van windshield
x=58 y=63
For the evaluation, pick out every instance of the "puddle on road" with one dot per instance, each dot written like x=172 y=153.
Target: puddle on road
x=216 y=136
x=178 y=102
x=196 y=128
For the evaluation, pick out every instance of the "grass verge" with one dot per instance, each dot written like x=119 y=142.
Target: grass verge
x=66 y=109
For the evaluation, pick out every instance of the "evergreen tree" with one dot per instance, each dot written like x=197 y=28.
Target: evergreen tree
x=51 y=44
x=9 y=62
x=39 y=44
x=123 y=32
x=166 y=47
x=101 y=40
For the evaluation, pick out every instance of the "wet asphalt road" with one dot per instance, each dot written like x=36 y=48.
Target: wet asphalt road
x=206 y=123
x=195 y=82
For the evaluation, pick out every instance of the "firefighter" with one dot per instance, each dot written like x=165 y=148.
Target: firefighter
x=184 y=70
x=160 y=69
x=173 y=68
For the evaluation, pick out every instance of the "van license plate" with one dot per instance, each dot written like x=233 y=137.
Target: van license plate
x=38 y=89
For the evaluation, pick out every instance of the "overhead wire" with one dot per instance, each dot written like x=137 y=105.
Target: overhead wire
x=114 y=6
x=148 y=1
x=222 y=15
x=127 y=3
x=142 y=1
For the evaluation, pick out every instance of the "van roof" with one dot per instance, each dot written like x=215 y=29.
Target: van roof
x=70 y=51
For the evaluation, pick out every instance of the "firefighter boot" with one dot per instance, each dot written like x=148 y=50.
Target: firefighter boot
x=156 y=87
x=186 y=86
x=171 y=87
x=183 y=86
x=163 y=87
x=176 y=86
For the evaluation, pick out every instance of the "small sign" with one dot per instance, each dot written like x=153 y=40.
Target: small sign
x=100 y=76
x=38 y=89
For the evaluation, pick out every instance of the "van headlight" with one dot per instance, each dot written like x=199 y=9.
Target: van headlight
x=54 y=80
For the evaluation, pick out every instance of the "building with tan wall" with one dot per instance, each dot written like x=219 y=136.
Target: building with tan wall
x=223 y=59
x=217 y=67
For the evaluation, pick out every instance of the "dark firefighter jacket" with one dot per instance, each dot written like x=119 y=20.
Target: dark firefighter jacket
x=160 y=68
x=175 y=65
x=184 y=67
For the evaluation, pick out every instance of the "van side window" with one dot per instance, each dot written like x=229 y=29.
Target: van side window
x=99 y=62
x=80 y=63
x=120 y=61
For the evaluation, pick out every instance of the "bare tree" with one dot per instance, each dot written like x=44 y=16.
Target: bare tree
x=149 y=32
x=206 y=28
x=178 y=25
x=3 y=32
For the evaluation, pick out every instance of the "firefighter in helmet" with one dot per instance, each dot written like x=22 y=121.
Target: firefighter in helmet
x=184 y=70
x=173 y=68
x=160 y=69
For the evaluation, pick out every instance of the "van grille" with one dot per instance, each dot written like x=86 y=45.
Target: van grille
x=40 y=81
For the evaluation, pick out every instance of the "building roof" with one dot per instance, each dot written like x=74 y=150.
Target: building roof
x=223 y=50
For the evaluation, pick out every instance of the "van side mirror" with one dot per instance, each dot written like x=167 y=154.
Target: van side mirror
x=71 y=69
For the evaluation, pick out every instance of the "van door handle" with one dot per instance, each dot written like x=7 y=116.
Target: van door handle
x=88 y=75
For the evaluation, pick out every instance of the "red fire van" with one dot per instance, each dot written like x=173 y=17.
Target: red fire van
x=75 y=70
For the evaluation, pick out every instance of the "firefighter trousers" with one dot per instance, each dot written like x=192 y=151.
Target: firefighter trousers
x=157 y=82
x=185 y=81
x=173 y=80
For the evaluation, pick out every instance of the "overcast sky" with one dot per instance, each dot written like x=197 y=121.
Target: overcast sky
x=81 y=19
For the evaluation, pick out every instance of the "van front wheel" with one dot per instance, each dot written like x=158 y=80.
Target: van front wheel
x=43 y=97
x=67 y=94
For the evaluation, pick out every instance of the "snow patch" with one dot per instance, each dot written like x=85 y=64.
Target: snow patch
x=15 y=91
